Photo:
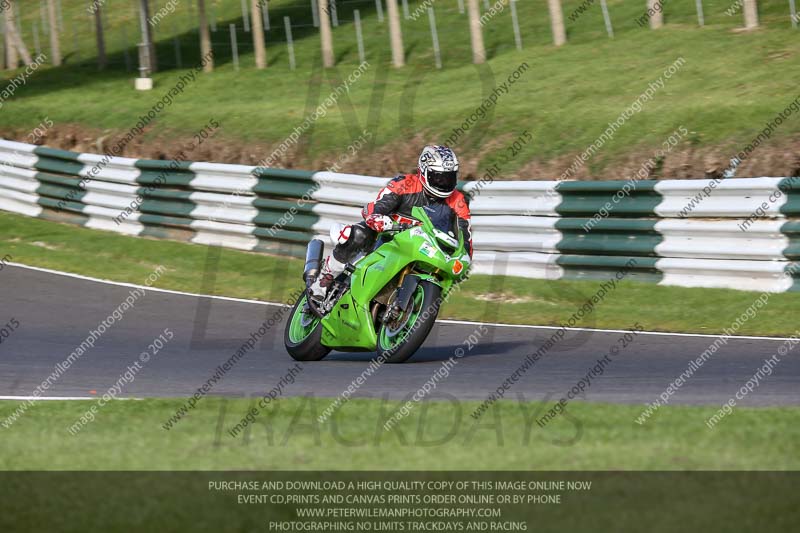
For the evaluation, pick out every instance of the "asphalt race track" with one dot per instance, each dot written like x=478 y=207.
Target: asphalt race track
x=56 y=313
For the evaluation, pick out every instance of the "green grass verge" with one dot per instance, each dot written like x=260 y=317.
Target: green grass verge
x=492 y=299
x=731 y=84
x=128 y=435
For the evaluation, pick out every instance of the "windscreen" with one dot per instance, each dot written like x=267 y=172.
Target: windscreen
x=442 y=218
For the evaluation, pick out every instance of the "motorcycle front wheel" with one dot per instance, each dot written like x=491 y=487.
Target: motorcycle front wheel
x=399 y=339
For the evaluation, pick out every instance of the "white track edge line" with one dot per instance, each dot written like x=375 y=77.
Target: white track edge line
x=444 y=321
x=135 y=286
x=56 y=398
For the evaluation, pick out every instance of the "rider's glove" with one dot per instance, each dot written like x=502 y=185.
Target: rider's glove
x=379 y=223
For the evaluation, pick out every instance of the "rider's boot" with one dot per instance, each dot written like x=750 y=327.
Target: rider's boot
x=330 y=269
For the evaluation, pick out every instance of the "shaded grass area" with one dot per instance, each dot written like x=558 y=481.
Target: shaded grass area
x=731 y=84
x=193 y=268
x=128 y=435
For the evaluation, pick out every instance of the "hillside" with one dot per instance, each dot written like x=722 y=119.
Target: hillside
x=728 y=85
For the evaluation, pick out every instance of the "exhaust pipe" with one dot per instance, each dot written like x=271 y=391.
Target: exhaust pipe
x=313 y=259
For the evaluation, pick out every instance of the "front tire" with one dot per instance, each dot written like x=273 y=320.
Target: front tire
x=398 y=341
x=303 y=334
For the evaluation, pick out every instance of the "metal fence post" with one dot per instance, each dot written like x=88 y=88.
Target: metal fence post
x=515 y=24
x=246 y=16
x=359 y=37
x=606 y=18
x=435 y=37
x=379 y=8
x=234 y=48
x=314 y=13
x=287 y=24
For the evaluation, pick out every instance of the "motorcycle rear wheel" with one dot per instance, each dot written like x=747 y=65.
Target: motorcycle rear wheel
x=303 y=334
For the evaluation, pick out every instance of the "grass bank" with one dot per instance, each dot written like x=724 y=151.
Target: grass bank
x=732 y=82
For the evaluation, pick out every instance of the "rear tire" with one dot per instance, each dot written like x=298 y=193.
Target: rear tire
x=397 y=344
x=303 y=334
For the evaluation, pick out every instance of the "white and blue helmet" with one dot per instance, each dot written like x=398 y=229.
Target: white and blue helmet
x=438 y=168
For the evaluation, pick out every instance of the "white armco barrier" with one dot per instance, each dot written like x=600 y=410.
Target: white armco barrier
x=732 y=233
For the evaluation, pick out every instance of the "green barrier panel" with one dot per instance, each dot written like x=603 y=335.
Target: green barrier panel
x=284 y=189
x=607 y=267
x=60 y=205
x=793 y=270
x=284 y=174
x=590 y=198
x=64 y=217
x=608 y=236
x=55 y=153
x=792 y=231
x=169 y=208
x=49 y=164
x=791 y=188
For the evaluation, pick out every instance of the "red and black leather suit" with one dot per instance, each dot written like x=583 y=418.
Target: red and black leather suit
x=399 y=196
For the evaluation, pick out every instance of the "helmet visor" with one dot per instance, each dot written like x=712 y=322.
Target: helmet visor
x=443 y=181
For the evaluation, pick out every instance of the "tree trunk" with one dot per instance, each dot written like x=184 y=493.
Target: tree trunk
x=17 y=45
x=557 y=22
x=205 y=37
x=750 y=14
x=257 y=29
x=3 y=45
x=102 y=60
x=325 y=33
x=657 y=18
x=12 y=59
x=395 y=34
x=55 y=46
x=476 y=33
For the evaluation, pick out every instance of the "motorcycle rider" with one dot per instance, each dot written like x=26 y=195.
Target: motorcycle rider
x=434 y=185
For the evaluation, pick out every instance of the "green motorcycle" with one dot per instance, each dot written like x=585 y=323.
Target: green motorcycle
x=384 y=301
